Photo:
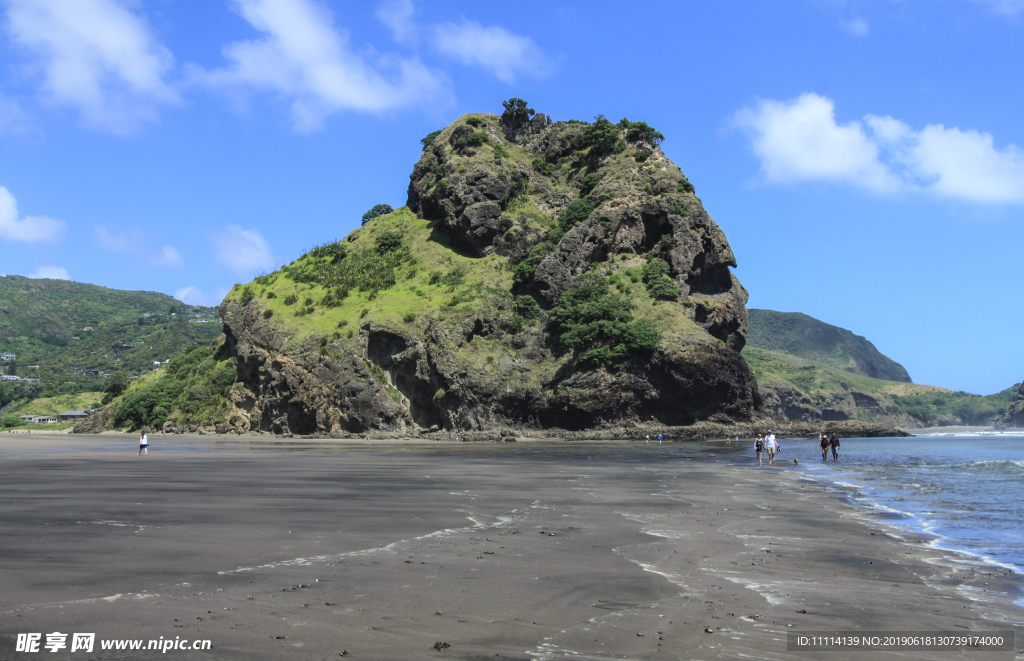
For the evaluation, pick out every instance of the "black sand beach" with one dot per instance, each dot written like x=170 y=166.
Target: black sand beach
x=313 y=549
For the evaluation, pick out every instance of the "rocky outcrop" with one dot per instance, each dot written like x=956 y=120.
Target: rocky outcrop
x=397 y=382
x=1014 y=412
x=497 y=192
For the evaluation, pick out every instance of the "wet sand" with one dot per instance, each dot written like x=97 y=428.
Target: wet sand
x=309 y=549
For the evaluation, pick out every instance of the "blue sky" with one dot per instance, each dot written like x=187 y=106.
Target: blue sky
x=863 y=157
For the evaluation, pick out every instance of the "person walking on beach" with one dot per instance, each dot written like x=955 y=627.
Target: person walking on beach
x=835 y=447
x=648 y=439
x=771 y=445
x=824 y=446
x=143 y=444
x=659 y=438
x=759 y=448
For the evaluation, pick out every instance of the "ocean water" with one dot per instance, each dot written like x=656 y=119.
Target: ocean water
x=965 y=489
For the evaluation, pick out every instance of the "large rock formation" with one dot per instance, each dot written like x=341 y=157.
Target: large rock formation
x=454 y=328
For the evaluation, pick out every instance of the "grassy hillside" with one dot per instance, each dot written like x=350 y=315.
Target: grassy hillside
x=807 y=387
x=430 y=283
x=805 y=337
x=81 y=401
x=44 y=322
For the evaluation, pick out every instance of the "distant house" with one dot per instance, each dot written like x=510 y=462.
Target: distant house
x=39 y=419
x=73 y=416
x=8 y=356
x=9 y=377
x=92 y=372
x=121 y=348
x=88 y=328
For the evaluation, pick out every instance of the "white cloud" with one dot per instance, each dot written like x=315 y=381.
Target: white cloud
x=857 y=27
x=505 y=54
x=304 y=58
x=29 y=229
x=244 y=251
x=96 y=55
x=800 y=140
x=134 y=242
x=195 y=296
x=51 y=272
x=397 y=15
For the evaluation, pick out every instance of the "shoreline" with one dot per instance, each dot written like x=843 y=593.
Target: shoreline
x=704 y=430
x=534 y=551
x=852 y=496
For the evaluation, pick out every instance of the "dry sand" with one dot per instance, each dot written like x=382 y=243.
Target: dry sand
x=308 y=549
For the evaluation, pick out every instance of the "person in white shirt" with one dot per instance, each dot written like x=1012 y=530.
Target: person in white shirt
x=771 y=446
x=143 y=444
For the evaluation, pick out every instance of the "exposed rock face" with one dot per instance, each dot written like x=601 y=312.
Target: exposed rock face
x=1015 y=412
x=495 y=192
x=789 y=403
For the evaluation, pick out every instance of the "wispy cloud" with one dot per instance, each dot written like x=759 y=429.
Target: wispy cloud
x=244 y=251
x=503 y=53
x=195 y=296
x=31 y=229
x=397 y=15
x=307 y=60
x=51 y=272
x=168 y=257
x=1008 y=7
x=800 y=140
x=13 y=119
x=857 y=27
x=95 y=55
x=134 y=242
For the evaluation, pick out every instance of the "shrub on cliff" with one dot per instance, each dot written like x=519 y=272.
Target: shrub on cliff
x=517 y=113
x=428 y=140
x=598 y=326
x=641 y=132
x=472 y=140
x=601 y=136
x=659 y=285
x=589 y=182
x=335 y=251
x=575 y=213
x=376 y=211
x=389 y=241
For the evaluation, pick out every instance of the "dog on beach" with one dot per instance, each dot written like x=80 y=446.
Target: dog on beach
x=795 y=460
